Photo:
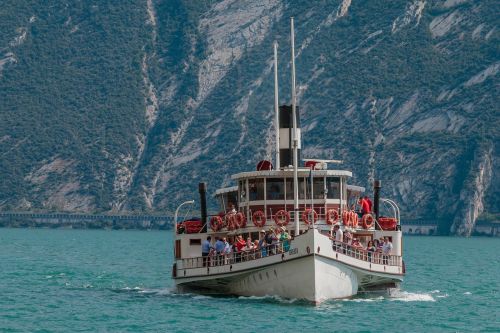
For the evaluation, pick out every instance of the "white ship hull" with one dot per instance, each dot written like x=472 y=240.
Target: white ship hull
x=315 y=275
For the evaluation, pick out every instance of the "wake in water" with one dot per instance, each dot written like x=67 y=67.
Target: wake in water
x=394 y=295
x=399 y=296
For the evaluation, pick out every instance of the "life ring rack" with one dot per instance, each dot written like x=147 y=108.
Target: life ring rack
x=281 y=218
x=259 y=219
x=332 y=215
x=305 y=216
x=216 y=223
x=367 y=221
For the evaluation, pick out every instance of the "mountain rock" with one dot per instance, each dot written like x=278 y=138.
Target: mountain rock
x=118 y=107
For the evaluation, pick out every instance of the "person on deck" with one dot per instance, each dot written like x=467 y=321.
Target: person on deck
x=228 y=249
x=386 y=250
x=339 y=237
x=240 y=243
x=232 y=210
x=285 y=239
x=365 y=206
x=219 y=249
x=205 y=249
x=263 y=243
x=370 y=249
x=370 y=204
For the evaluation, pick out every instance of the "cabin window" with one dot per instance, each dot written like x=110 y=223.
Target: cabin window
x=289 y=188
x=243 y=190
x=231 y=198
x=256 y=189
x=195 y=242
x=318 y=188
x=177 y=249
x=275 y=188
x=302 y=188
x=333 y=187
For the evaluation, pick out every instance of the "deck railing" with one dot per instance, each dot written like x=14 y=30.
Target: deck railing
x=222 y=259
x=376 y=257
x=271 y=250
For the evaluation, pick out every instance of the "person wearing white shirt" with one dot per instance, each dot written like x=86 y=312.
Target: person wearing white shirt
x=386 y=250
x=339 y=237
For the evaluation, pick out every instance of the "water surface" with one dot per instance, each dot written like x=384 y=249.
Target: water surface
x=97 y=280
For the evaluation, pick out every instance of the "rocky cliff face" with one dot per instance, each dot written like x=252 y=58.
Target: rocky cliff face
x=118 y=108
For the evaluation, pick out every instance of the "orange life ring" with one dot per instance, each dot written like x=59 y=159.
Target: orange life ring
x=367 y=221
x=259 y=219
x=354 y=219
x=240 y=220
x=281 y=218
x=332 y=216
x=216 y=223
x=345 y=218
x=305 y=216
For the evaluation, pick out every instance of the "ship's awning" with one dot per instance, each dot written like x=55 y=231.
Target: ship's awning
x=354 y=188
x=226 y=190
x=302 y=172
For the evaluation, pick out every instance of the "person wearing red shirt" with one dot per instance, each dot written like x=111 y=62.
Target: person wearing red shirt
x=365 y=206
x=370 y=204
x=240 y=243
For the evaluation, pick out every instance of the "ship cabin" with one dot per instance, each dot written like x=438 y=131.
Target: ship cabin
x=264 y=194
x=264 y=198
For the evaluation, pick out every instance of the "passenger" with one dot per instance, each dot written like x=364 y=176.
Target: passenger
x=228 y=249
x=219 y=249
x=262 y=238
x=231 y=210
x=386 y=250
x=271 y=241
x=356 y=244
x=248 y=245
x=348 y=242
x=256 y=249
x=370 y=204
x=285 y=239
x=206 y=246
x=248 y=250
x=348 y=237
x=364 y=205
x=370 y=249
x=376 y=256
x=380 y=244
x=275 y=241
x=269 y=236
x=339 y=237
x=219 y=245
x=240 y=243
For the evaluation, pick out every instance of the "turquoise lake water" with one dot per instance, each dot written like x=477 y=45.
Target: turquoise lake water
x=95 y=281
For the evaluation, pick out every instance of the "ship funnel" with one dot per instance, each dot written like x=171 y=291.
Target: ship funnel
x=286 y=135
x=377 y=184
x=202 y=188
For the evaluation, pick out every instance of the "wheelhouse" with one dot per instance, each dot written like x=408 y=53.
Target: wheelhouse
x=271 y=191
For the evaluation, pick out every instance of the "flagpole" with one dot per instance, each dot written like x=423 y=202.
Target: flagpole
x=295 y=139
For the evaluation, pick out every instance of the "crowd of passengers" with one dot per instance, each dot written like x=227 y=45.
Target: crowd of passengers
x=377 y=250
x=223 y=249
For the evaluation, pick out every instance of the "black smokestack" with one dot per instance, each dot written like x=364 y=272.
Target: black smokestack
x=377 y=184
x=286 y=124
x=202 y=187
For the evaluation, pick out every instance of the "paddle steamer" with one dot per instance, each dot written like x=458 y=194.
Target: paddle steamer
x=308 y=200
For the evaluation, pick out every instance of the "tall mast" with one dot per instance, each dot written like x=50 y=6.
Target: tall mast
x=276 y=106
x=295 y=138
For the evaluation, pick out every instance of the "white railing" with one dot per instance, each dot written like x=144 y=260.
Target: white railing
x=376 y=257
x=394 y=207
x=222 y=259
